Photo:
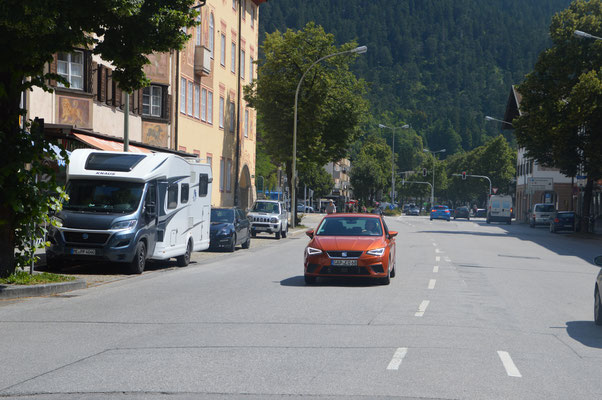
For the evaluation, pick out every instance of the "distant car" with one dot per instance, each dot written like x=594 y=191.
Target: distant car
x=440 y=212
x=413 y=211
x=541 y=214
x=358 y=245
x=377 y=210
x=229 y=227
x=563 y=221
x=304 y=209
x=462 y=212
x=481 y=213
x=269 y=216
x=597 y=299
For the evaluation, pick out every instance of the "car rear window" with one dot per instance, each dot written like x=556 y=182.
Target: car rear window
x=441 y=207
x=544 y=208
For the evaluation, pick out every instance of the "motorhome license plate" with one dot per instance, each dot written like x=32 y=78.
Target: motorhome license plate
x=346 y=263
x=87 y=252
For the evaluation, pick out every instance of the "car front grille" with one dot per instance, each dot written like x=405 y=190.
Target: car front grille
x=86 y=237
x=344 y=254
x=261 y=219
x=331 y=270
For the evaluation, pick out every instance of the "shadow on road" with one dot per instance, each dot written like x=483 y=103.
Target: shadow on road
x=102 y=268
x=586 y=333
x=298 y=281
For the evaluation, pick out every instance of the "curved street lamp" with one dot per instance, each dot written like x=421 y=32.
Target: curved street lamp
x=406 y=126
x=433 y=185
x=357 y=50
x=488 y=118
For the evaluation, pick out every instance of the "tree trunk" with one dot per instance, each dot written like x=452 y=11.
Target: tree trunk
x=587 y=200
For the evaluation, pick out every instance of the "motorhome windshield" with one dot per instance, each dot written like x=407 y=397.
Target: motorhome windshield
x=103 y=196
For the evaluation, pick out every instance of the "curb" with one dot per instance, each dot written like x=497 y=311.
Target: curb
x=18 y=291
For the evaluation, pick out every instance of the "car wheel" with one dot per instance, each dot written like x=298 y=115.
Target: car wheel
x=137 y=264
x=552 y=230
x=247 y=244
x=232 y=246
x=468 y=218
x=509 y=222
x=53 y=264
x=386 y=280
x=488 y=221
x=285 y=232
x=597 y=307
x=394 y=270
x=431 y=219
x=532 y=223
x=278 y=234
x=184 y=259
x=253 y=234
x=309 y=280
x=454 y=218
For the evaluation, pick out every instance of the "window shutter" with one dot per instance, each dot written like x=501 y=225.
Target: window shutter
x=116 y=95
x=165 y=101
x=53 y=67
x=100 y=86
x=88 y=71
x=139 y=102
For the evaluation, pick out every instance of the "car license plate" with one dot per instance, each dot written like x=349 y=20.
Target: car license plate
x=345 y=263
x=87 y=252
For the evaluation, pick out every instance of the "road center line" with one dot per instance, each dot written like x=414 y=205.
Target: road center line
x=436 y=269
x=432 y=283
x=447 y=259
x=439 y=251
x=511 y=369
x=437 y=258
x=400 y=353
x=422 y=308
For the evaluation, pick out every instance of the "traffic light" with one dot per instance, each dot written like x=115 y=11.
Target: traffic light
x=463 y=175
x=424 y=172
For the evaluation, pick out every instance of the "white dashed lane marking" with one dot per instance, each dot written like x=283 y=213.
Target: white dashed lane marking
x=400 y=353
x=436 y=269
x=437 y=258
x=511 y=369
x=422 y=308
x=432 y=283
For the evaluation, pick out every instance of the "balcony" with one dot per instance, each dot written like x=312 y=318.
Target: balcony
x=202 y=61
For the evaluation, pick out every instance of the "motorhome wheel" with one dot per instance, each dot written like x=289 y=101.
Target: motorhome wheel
x=184 y=259
x=139 y=260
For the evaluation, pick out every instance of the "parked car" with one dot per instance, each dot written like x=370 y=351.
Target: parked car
x=440 y=212
x=358 y=245
x=304 y=209
x=541 y=214
x=413 y=211
x=462 y=212
x=563 y=221
x=597 y=299
x=229 y=228
x=481 y=213
x=269 y=216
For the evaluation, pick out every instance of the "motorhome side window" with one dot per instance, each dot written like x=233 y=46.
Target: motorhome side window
x=172 y=196
x=203 y=184
x=184 y=194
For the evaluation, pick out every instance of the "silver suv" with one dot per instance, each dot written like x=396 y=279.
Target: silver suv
x=269 y=216
x=541 y=214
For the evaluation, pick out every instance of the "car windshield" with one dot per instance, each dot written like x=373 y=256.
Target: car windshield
x=350 y=226
x=544 y=208
x=441 y=208
x=222 y=215
x=266 y=207
x=103 y=196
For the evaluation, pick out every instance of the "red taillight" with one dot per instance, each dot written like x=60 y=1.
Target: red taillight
x=433 y=210
x=447 y=211
x=556 y=220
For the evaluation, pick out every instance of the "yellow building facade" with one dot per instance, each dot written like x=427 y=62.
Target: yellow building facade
x=212 y=119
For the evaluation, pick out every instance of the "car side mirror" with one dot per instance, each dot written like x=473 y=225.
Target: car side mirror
x=150 y=209
x=310 y=233
x=598 y=261
x=392 y=234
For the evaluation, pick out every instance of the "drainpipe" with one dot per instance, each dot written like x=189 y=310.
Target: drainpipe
x=237 y=148
x=177 y=101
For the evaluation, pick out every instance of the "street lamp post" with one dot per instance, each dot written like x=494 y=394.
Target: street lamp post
x=357 y=50
x=393 y=157
x=488 y=118
x=433 y=185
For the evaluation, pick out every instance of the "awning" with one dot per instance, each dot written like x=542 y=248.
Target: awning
x=108 y=145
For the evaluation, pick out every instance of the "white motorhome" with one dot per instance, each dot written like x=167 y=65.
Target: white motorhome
x=130 y=207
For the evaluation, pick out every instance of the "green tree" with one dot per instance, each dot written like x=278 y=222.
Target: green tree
x=120 y=31
x=370 y=171
x=316 y=178
x=331 y=104
x=560 y=124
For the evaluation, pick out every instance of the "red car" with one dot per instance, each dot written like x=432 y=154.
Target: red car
x=358 y=245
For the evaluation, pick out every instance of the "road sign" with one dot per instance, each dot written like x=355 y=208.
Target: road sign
x=539 y=184
x=494 y=190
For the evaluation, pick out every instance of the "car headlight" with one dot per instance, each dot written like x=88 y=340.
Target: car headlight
x=274 y=220
x=312 y=251
x=124 y=225
x=376 y=252
x=224 y=231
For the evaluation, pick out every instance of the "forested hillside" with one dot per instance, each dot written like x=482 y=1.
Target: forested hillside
x=440 y=65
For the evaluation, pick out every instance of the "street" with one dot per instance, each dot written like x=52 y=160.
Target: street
x=476 y=311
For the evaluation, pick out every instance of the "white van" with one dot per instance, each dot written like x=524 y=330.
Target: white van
x=499 y=209
x=130 y=207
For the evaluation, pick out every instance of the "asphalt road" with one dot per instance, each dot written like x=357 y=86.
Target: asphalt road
x=476 y=311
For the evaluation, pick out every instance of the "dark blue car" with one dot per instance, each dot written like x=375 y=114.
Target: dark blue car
x=563 y=221
x=440 y=212
x=229 y=227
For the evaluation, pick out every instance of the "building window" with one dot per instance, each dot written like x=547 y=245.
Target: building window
x=233 y=57
x=152 y=97
x=211 y=33
x=71 y=67
x=228 y=175
x=252 y=15
x=210 y=107
x=234 y=4
x=198 y=31
x=251 y=66
x=221 y=112
x=196 y=100
x=246 y=123
x=183 y=96
x=232 y=122
x=242 y=64
x=222 y=174
x=222 y=57
x=244 y=9
x=190 y=102
x=204 y=105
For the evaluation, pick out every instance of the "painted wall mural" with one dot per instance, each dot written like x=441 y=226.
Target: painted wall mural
x=154 y=134
x=74 y=111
